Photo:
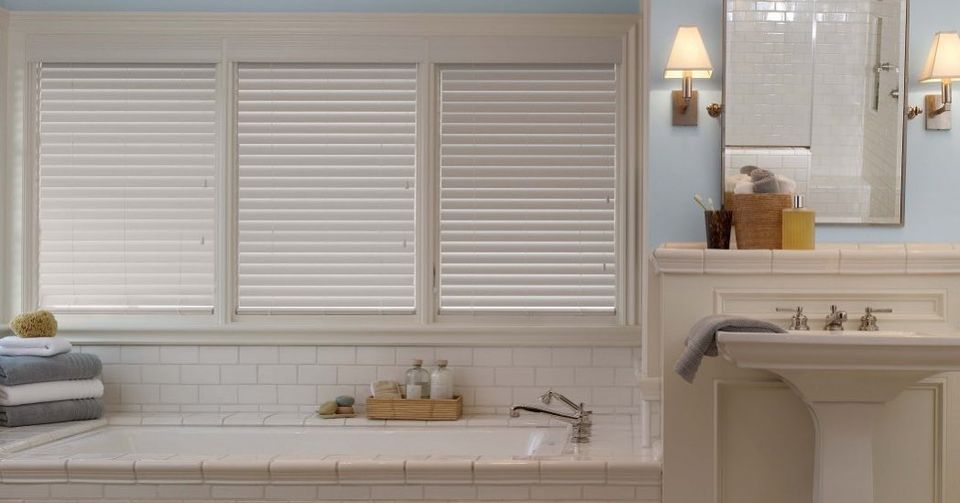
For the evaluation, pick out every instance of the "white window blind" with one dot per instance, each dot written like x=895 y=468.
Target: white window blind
x=127 y=200
x=528 y=184
x=327 y=156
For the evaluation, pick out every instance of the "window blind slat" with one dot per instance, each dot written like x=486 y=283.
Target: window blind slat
x=127 y=198
x=327 y=166
x=528 y=159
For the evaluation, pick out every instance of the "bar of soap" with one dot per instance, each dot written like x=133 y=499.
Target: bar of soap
x=327 y=408
x=345 y=401
x=344 y=410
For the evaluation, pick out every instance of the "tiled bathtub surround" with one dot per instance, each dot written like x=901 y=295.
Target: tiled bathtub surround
x=276 y=379
x=613 y=467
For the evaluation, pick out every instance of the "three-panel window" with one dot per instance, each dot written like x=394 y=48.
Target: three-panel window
x=327 y=171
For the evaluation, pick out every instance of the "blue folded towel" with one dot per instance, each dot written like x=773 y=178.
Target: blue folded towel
x=16 y=370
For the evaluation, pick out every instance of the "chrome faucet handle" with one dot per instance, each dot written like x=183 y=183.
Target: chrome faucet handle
x=868 y=322
x=798 y=321
x=547 y=397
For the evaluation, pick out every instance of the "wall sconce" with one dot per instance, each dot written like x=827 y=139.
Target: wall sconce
x=943 y=66
x=688 y=60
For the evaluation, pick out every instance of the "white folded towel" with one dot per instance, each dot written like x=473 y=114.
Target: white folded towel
x=743 y=188
x=33 y=346
x=50 y=391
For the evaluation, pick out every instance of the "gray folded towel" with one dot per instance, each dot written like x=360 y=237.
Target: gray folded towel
x=16 y=370
x=764 y=182
x=702 y=340
x=51 y=412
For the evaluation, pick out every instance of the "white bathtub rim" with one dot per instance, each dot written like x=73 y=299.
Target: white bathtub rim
x=638 y=468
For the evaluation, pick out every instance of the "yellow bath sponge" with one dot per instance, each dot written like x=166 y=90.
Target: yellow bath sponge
x=34 y=324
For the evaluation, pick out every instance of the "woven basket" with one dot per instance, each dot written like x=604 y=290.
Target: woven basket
x=758 y=219
x=420 y=410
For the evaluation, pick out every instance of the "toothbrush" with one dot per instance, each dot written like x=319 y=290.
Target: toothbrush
x=699 y=200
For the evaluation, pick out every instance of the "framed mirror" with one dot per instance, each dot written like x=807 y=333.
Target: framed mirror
x=814 y=92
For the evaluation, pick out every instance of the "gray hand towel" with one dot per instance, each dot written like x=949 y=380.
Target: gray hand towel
x=702 y=340
x=16 y=370
x=51 y=412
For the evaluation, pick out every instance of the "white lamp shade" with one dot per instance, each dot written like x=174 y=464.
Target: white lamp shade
x=689 y=57
x=943 y=61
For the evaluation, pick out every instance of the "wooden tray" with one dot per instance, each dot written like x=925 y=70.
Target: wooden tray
x=419 y=410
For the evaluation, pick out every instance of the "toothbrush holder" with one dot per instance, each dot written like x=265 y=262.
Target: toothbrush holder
x=718 y=225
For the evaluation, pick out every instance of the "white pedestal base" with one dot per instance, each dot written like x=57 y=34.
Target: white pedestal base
x=844 y=452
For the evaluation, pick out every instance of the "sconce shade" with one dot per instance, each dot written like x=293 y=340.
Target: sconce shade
x=689 y=57
x=943 y=61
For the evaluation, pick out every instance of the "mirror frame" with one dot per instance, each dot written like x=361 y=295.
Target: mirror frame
x=905 y=93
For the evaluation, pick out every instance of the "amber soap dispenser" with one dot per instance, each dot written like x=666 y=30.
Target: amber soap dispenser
x=798 y=226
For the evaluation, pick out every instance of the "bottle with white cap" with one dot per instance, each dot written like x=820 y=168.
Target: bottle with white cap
x=441 y=382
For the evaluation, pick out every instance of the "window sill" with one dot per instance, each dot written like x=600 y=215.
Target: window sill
x=434 y=335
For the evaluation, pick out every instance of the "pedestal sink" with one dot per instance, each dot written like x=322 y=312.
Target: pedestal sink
x=844 y=378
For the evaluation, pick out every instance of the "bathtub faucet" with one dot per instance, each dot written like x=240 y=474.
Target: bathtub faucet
x=580 y=420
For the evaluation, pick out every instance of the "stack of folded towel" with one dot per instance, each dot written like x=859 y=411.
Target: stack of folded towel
x=754 y=180
x=41 y=381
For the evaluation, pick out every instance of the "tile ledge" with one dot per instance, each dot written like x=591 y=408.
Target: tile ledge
x=827 y=258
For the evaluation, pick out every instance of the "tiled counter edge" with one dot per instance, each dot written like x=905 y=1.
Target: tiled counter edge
x=834 y=258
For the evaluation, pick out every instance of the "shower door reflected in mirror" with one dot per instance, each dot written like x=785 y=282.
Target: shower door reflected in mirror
x=813 y=91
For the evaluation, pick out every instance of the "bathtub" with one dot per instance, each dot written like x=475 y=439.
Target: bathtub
x=358 y=460
x=213 y=441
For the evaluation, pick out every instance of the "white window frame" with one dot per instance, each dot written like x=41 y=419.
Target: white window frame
x=430 y=40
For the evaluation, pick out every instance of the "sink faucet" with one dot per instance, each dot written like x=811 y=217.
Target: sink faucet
x=580 y=420
x=835 y=319
x=547 y=397
x=868 y=323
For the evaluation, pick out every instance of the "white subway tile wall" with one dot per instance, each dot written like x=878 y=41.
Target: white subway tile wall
x=769 y=83
x=840 y=76
x=275 y=379
x=882 y=148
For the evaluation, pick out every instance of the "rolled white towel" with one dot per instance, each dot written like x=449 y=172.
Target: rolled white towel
x=50 y=391
x=33 y=346
x=787 y=185
x=730 y=183
x=743 y=188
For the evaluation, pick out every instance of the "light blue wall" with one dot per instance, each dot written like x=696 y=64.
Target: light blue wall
x=684 y=161
x=569 y=6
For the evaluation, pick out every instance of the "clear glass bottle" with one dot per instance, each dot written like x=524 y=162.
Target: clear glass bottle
x=799 y=226
x=441 y=382
x=417 y=381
